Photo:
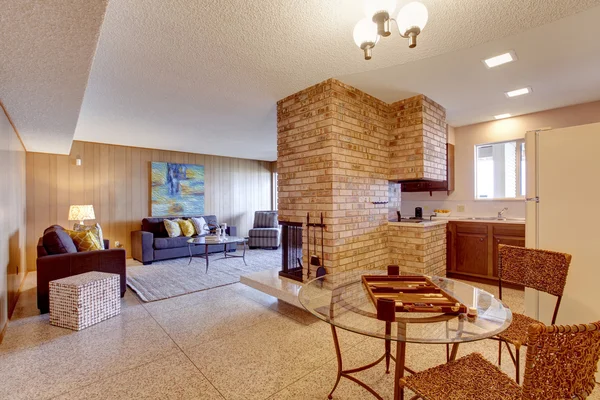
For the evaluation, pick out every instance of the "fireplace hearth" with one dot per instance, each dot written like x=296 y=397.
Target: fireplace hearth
x=291 y=250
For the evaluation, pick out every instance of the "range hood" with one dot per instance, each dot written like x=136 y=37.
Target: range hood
x=415 y=181
x=418 y=137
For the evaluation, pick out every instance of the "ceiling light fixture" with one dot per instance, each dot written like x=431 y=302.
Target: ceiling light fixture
x=501 y=59
x=518 y=92
x=411 y=20
x=502 y=116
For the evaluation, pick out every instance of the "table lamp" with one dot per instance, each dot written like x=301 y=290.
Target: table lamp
x=81 y=213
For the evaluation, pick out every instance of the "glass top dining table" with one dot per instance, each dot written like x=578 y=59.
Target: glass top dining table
x=342 y=300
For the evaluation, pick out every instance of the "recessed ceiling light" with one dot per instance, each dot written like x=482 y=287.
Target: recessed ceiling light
x=518 y=92
x=501 y=59
x=502 y=116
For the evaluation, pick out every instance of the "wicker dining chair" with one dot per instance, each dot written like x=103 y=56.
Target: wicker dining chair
x=542 y=270
x=560 y=364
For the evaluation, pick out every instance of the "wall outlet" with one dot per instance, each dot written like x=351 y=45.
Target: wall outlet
x=460 y=208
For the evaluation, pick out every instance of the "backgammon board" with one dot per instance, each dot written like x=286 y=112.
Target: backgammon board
x=412 y=293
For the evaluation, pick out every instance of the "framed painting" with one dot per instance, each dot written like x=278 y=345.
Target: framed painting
x=177 y=189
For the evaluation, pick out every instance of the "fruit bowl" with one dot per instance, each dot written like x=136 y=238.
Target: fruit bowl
x=442 y=213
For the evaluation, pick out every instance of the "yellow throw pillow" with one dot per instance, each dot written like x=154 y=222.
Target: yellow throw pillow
x=85 y=240
x=95 y=229
x=187 y=228
x=172 y=227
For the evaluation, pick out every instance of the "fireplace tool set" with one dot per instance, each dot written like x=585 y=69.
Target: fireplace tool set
x=314 y=259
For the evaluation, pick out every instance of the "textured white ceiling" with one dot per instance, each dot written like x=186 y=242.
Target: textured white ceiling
x=560 y=61
x=205 y=76
x=46 y=52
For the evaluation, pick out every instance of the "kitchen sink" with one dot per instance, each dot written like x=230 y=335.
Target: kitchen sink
x=490 y=219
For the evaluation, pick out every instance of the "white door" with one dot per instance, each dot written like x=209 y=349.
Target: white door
x=568 y=220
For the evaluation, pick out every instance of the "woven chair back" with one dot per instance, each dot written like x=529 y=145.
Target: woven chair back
x=537 y=269
x=561 y=361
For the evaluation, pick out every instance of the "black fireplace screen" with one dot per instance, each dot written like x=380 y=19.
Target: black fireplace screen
x=291 y=250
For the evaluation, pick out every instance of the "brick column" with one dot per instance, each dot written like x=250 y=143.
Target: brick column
x=361 y=156
x=305 y=143
x=419 y=249
x=337 y=149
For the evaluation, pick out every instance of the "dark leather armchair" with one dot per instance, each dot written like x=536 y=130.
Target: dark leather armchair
x=57 y=266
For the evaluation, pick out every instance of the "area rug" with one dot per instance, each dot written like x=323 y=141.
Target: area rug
x=171 y=278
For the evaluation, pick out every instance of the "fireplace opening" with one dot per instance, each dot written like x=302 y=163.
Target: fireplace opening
x=291 y=250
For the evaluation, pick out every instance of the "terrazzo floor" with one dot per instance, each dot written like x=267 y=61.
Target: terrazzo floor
x=231 y=342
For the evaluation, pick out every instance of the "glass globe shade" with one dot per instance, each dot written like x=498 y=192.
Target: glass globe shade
x=373 y=7
x=412 y=15
x=365 y=31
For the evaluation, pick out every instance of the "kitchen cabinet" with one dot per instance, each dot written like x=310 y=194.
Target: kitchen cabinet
x=513 y=235
x=472 y=248
x=435 y=186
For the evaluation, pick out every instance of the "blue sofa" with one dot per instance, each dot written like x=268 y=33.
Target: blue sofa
x=152 y=243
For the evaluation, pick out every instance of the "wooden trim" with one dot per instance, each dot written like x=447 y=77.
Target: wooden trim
x=12 y=124
x=450 y=167
x=11 y=307
x=3 y=331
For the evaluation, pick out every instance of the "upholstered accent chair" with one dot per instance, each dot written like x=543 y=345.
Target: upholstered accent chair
x=57 y=257
x=266 y=231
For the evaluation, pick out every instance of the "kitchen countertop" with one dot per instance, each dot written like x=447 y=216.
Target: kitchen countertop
x=487 y=221
x=423 y=224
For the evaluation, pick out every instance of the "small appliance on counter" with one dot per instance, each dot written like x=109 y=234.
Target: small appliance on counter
x=415 y=220
x=418 y=212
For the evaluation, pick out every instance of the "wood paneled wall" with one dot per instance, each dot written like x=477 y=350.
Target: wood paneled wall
x=12 y=217
x=116 y=180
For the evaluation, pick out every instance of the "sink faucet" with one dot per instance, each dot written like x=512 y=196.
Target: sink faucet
x=501 y=213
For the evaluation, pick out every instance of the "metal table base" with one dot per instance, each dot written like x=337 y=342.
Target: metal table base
x=399 y=360
x=225 y=255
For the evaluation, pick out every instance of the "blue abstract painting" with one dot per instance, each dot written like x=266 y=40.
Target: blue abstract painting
x=177 y=189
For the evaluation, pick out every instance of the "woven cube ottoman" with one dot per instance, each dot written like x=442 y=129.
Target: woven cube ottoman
x=80 y=301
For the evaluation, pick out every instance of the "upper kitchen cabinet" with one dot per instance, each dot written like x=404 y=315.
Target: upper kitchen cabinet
x=418 y=140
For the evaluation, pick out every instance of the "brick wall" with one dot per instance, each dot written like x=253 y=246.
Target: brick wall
x=419 y=249
x=418 y=135
x=394 y=197
x=359 y=227
x=305 y=150
x=435 y=136
x=334 y=155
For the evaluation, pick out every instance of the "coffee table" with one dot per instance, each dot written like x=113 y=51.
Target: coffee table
x=201 y=241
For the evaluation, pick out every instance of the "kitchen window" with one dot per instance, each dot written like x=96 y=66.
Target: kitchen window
x=500 y=170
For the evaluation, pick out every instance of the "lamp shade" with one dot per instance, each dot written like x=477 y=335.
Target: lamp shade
x=81 y=213
x=365 y=33
x=412 y=15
